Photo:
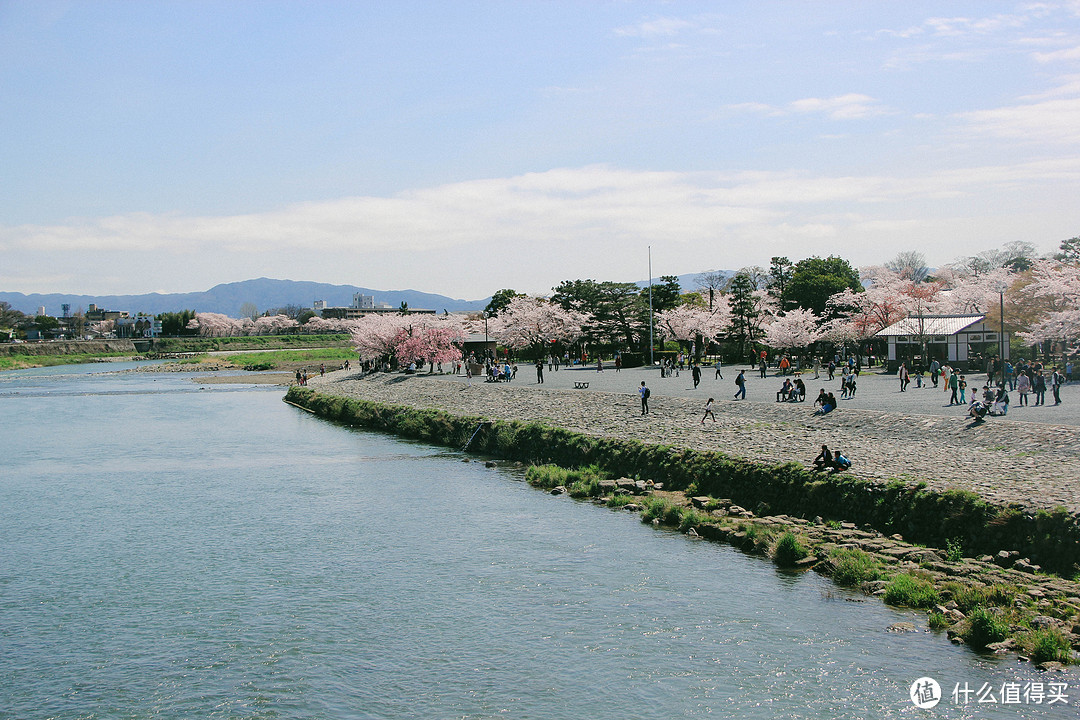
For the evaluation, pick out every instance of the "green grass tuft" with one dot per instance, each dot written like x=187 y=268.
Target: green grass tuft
x=852 y=567
x=908 y=590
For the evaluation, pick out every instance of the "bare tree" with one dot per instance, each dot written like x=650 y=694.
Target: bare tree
x=909 y=264
x=711 y=284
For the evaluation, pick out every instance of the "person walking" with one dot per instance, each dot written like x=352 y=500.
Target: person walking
x=904 y=377
x=708 y=412
x=740 y=382
x=1023 y=386
x=954 y=386
x=718 y=374
x=1039 y=386
x=696 y=374
x=935 y=366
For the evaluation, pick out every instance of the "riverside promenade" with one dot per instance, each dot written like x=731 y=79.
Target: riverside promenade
x=1030 y=459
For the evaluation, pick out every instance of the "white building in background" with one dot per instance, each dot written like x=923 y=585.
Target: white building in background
x=363 y=302
x=318 y=306
x=41 y=310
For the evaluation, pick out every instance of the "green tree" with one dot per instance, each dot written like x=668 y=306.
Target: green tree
x=1070 y=250
x=780 y=271
x=174 y=324
x=665 y=295
x=500 y=300
x=614 y=310
x=744 y=309
x=46 y=323
x=815 y=279
x=10 y=318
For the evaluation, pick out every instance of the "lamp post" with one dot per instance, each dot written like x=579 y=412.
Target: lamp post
x=1000 y=287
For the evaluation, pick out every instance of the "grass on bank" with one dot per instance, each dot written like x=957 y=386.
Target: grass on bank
x=21 y=362
x=274 y=359
x=252 y=342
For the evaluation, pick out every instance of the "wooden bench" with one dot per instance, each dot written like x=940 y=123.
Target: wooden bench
x=581 y=385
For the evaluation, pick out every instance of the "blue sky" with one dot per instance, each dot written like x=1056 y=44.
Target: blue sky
x=463 y=147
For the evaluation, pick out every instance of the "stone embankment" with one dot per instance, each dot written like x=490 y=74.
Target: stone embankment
x=1021 y=464
x=73 y=347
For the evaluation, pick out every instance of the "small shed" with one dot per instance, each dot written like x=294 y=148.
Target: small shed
x=955 y=339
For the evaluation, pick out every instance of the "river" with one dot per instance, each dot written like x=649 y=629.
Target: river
x=171 y=550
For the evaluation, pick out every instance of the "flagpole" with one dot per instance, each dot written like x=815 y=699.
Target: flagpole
x=650 y=309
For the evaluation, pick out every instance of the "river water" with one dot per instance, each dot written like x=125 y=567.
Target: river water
x=171 y=550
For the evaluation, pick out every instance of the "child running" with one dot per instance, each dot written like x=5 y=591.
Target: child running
x=708 y=412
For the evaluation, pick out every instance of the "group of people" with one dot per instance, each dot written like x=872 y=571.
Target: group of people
x=792 y=391
x=834 y=460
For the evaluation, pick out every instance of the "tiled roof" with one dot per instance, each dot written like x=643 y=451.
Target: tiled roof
x=931 y=325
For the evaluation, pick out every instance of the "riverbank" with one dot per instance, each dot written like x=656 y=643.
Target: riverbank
x=747 y=498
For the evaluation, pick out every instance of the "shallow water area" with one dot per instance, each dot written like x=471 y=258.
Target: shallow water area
x=174 y=551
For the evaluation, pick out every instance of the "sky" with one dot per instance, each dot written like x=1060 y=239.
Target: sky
x=464 y=147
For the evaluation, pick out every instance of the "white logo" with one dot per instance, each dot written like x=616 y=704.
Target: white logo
x=925 y=693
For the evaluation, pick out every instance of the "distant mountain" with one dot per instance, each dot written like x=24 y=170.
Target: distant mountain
x=689 y=281
x=264 y=293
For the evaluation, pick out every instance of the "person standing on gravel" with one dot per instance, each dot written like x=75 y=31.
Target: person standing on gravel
x=718 y=375
x=954 y=386
x=1023 y=386
x=904 y=377
x=540 y=371
x=696 y=374
x=643 y=391
x=935 y=366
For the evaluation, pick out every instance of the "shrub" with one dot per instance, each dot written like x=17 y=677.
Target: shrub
x=656 y=509
x=1048 y=644
x=984 y=627
x=618 y=501
x=789 y=550
x=937 y=621
x=852 y=567
x=910 y=591
x=954 y=550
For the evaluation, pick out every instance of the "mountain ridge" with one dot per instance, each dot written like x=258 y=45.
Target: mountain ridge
x=226 y=298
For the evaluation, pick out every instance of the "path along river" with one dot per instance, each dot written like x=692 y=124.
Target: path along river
x=171 y=550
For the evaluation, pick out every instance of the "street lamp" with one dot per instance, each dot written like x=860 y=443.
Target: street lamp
x=1000 y=287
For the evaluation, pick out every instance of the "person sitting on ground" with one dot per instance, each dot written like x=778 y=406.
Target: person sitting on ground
x=840 y=462
x=824 y=460
x=827 y=405
x=782 y=393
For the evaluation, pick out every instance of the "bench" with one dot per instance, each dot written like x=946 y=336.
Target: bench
x=581 y=385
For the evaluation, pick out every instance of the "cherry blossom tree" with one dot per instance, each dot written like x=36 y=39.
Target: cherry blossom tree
x=535 y=322
x=691 y=323
x=408 y=338
x=274 y=325
x=878 y=306
x=214 y=325
x=795 y=329
x=1051 y=292
x=102 y=327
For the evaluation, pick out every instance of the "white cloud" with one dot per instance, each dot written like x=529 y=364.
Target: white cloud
x=1050 y=121
x=533 y=230
x=852 y=106
x=657 y=27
